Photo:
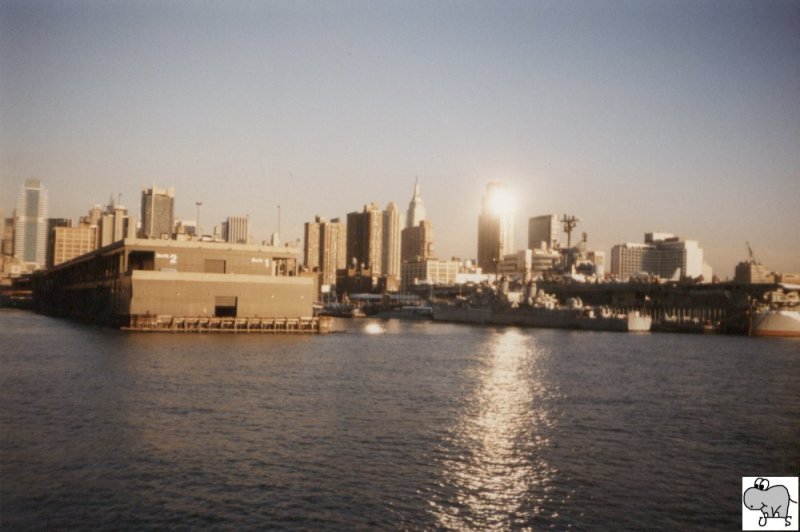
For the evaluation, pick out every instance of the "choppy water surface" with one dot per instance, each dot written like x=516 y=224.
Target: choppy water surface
x=389 y=425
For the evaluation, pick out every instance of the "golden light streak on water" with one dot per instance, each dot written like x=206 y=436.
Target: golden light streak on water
x=498 y=474
x=373 y=328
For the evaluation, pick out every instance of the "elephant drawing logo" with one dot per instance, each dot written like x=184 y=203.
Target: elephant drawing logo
x=771 y=501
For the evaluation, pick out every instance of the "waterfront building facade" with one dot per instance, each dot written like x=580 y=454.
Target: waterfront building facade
x=30 y=225
x=158 y=213
x=429 y=271
x=142 y=277
x=543 y=232
x=495 y=227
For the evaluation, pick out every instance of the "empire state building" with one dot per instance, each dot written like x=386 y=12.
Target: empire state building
x=416 y=210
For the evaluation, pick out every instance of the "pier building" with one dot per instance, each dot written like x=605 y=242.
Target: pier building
x=131 y=278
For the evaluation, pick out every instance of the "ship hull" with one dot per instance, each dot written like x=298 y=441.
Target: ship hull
x=542 y=318
x=776 y=323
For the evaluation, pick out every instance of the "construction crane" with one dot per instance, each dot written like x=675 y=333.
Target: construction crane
x=750 y=254
x=569 y=223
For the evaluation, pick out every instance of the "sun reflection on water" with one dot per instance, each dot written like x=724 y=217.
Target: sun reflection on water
x=494 y=475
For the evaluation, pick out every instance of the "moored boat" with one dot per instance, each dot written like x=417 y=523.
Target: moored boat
x=545 y=315
x=776 y=322
x=779 y=315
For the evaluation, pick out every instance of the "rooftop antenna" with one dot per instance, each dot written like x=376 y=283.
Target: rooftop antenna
x=569 y=222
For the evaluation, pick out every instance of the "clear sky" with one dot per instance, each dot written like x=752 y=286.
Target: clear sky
x=636 y=116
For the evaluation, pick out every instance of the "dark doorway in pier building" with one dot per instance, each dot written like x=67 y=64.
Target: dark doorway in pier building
x=214 y=266
x=225 y=306
x=141 y=260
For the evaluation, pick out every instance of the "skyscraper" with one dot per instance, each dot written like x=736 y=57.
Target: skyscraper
x=8 y=237
x=325 y=248
x=114 y=224
x=365 y=238
x=236 y=229
x=158 y=206
x=543 y=232
x=30 y=224
x=417 y=242
x=52 y=225
x=661 y=254
x=416 y=210
x=495 y=227
x=71 y=242
x=391 y=241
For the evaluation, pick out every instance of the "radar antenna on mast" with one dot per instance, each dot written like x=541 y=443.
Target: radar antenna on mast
x=569 y=222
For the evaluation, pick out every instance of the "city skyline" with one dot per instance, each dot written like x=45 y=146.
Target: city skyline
x=674 y=117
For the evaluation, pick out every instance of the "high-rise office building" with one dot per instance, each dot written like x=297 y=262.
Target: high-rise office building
x=416 y=210
x=325 y=248
x=71 y=242
x=52 y=224
x=417 y=242
x=662 y=255
x=543 y=232
x=8 y=237
x=365 y=238
x=495 y=227
x=114 y=224
x=236 y=229
x=158 y=213
x=391 y=241
x=30 y=224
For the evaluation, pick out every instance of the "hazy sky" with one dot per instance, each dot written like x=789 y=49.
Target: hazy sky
x=637 y=116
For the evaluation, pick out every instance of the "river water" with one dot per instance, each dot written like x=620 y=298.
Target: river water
x=388 y=425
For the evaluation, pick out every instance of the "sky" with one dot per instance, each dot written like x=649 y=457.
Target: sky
x=636 y=116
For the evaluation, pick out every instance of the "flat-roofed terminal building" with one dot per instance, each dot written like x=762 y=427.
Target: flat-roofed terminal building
x=145 y=277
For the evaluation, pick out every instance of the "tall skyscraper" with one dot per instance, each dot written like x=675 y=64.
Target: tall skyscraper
x=495 y=227
x=30 y=224
x=365 y=238
x=543 y=232
x=417 y=242
x=416 y=210
x=158 y=213
x=236 y=229
x=391 y=241
x=325 y=247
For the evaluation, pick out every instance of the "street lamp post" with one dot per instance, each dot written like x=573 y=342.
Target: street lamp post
x=198 y=232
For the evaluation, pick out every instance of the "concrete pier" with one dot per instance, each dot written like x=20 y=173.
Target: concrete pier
x=184 y=324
